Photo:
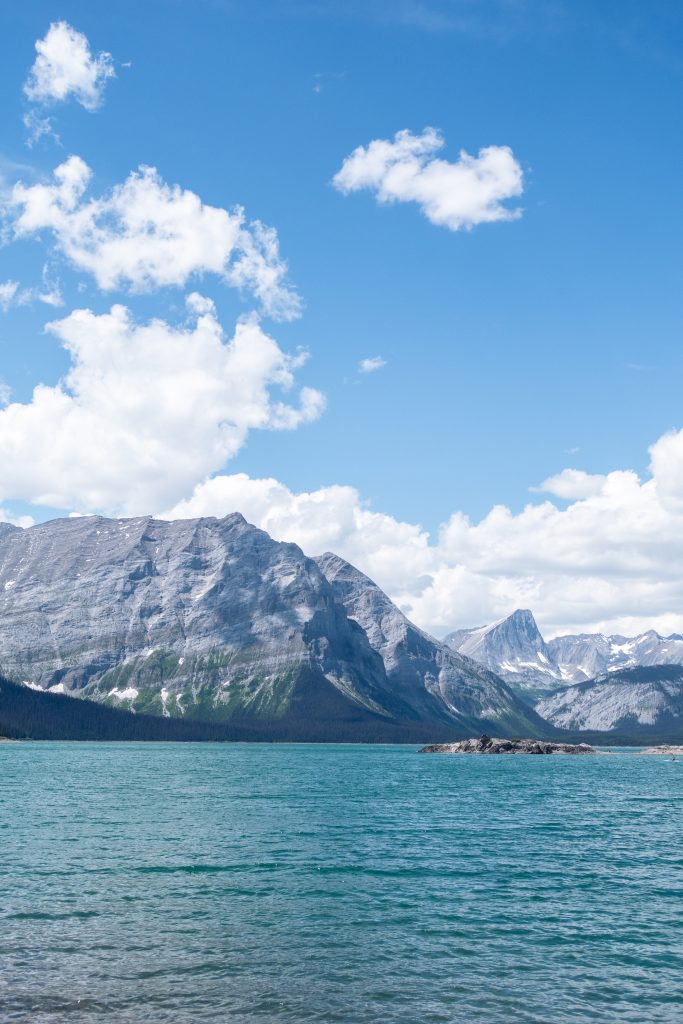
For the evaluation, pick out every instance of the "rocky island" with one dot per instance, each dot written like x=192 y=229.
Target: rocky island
x=488 y=745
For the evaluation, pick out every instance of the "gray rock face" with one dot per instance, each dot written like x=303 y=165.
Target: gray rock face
x=513 y=648
x=213 y=619
x=417 y=663
x=588 y=655
x=631 y=700
x=487 y=745
x=163 y=616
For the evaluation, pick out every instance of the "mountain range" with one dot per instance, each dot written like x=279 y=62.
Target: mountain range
x=515 y=649
x=212 y=620
x=630 y=700
x=585 y=682
x=211 y=623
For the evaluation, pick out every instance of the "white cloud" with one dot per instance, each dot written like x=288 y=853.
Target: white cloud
x=145 y=411
x=572 y=484
x=200 y=304
x=39 y=127
x=5 y=393
x=65 y=67
x=11 y=294
x=8 y=293
x=9 y=517
x=145 y=234
x=49 y=293
x=456 y=195
x=371 y=364
x=612 y=560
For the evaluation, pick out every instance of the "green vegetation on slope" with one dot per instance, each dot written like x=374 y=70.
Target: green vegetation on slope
x=33 y=714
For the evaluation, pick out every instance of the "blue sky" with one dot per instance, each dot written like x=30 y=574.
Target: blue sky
x=513 y=350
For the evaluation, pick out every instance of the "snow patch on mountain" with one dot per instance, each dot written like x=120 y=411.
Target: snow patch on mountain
x=515 y=649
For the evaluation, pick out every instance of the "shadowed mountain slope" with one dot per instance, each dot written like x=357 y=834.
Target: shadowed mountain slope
x=416 y=662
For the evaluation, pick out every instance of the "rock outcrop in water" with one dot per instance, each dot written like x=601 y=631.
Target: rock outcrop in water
x=487 y=745
x=212 y=619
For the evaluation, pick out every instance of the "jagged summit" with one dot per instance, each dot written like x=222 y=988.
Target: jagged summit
x=513 y=647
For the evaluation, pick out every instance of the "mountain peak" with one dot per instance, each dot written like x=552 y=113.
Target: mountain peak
x=523 y=615
x=513 y=647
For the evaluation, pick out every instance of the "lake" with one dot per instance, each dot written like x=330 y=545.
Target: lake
x=291 y=883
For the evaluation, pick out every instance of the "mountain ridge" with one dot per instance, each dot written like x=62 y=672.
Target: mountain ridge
x=210 y=619
x=631 y=699
x=408 y=652
x=515 y=649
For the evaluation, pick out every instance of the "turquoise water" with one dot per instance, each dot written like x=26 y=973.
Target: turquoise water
x=257 y=883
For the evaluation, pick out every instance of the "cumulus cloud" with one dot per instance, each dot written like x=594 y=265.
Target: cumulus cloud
x=611 y=560
x=66 y=68
x=145 y=411
x=571 y=484
x=455 y=195
x=145 y=234
x=371 y=364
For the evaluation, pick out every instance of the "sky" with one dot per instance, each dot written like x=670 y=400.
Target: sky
x=396 y=279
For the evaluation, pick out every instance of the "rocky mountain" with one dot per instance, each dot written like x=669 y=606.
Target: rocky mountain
x=416 y=662
x=591 y=654
x=212 y=619
x=632 y=700
x=513 y=648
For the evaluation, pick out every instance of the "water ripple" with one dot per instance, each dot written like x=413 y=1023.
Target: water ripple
x=154 y=883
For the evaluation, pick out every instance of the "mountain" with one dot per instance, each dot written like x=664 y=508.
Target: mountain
x=513 y=648
x=588 y=655
x=27 y=713
x=211 y=619
x=416 y=662
x=632 y=700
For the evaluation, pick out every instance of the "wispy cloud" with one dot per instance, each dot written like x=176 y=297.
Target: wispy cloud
x=496 y=20
x=8 y=294
x=12 y=294
x=371 y=364
x=322 y=78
